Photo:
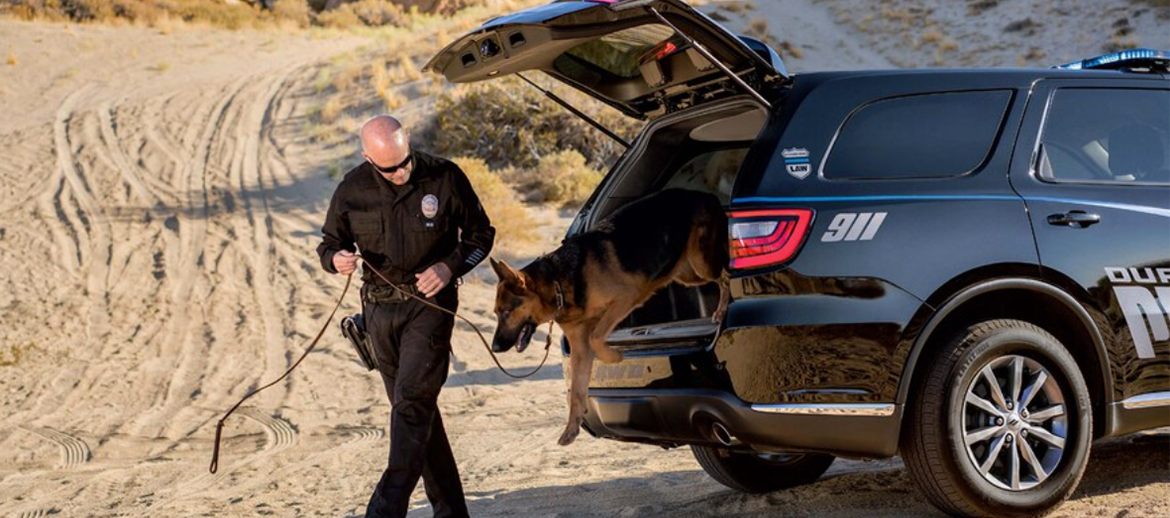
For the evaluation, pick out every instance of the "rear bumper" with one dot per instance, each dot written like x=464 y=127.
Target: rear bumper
x=678 y=416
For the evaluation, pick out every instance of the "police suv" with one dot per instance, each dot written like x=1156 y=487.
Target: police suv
x=969 y=268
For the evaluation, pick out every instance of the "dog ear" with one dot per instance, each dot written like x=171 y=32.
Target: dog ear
x=506 y=273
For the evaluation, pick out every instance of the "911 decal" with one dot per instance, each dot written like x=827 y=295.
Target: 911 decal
x=1139 y=303
x=852 y=226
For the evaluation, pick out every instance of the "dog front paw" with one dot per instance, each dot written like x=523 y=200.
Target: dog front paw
x=569 y=435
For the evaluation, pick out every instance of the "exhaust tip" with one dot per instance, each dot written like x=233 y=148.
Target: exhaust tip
x=721 y=434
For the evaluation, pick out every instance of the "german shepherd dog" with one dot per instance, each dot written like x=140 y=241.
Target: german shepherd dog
x=596 y=278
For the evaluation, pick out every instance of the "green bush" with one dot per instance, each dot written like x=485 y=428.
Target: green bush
x=509 y=124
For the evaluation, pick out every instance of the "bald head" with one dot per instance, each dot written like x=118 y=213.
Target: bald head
x=386 y=143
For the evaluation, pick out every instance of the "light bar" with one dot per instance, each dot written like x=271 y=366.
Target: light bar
x=1119 y=59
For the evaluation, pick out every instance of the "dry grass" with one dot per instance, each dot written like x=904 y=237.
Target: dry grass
x=11 y=58
x=508 y=124
x=758 y=28
x=562 y=178
x=931 y=36
x=514 y=224
x=739 y=7
x=166 y=15
x=12 y=355
x=333 y=108
x=787 y=48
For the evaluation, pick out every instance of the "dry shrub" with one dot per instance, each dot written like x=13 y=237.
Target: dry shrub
x=11 y=59
x=508 y=123
x=332 y=109
x=931 y=35
x=297 y=12
x=348 y=77
x=788 y=48
x=739 y=7
x=405 y=70
x=393 y=100
x=338 y=19
x=758 y=28
x=512 y=220
x=145 y=12
x=236 y=15
x=562 y=178
x=371 y=13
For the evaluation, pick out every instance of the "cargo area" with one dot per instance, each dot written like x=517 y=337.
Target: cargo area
x=702 y=151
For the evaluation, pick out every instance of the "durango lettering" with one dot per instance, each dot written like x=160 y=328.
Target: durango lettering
x=1138 y=275
x=1139 y=304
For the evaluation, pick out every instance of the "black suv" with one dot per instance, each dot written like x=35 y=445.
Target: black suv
x=969 y=268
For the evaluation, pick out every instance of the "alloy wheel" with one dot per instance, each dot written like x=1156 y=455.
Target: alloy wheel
x=1014 y=423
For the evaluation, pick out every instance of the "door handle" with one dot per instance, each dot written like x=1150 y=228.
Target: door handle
x=1074 y=218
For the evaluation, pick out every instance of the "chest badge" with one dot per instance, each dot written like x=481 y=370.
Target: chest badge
x=430 y=206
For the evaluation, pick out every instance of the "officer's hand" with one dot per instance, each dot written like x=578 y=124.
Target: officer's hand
x=434 y=279
x=345 y=262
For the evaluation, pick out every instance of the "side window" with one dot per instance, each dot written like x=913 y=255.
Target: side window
x=923 y=136
x=1106 y=136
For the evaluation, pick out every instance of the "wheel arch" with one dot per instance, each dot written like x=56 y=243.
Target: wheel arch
x=1025 y=298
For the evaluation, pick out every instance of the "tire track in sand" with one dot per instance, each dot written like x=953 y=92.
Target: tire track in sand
x=279 y=432
x=74 y=451
x=95 y=256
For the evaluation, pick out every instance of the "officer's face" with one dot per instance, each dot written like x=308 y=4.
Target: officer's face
x=390 y=154
x=398 y=173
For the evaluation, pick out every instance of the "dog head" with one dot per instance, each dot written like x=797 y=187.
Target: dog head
x=518 y=309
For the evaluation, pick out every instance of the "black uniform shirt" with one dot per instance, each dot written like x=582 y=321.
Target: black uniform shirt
x=436 y=217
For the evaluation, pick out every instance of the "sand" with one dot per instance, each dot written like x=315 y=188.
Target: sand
x=159 y=207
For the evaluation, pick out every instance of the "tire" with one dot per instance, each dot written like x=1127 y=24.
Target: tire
x=1015 y=479
x=754 y=473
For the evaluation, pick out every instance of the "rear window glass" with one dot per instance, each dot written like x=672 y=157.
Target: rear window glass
x=620 y=53
x=925 y=136
x=1107 y=136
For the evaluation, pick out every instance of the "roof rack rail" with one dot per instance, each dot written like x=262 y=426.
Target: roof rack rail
x=1132 y=60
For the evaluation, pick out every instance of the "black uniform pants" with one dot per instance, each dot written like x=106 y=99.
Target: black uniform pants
x=413 y=343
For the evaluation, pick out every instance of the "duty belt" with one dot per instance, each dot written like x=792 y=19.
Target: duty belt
x=379 y=294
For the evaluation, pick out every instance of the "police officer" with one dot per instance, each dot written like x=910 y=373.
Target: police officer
x=416 y=219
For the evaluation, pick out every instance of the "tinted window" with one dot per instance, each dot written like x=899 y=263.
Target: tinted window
x=619 y=53
x=918 y=137
x=1110 y=136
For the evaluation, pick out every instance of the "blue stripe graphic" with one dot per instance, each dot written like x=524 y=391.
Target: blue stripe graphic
x=941 y=197
x=795 y=160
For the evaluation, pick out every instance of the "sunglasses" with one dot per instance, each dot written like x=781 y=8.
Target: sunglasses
x=394 y=168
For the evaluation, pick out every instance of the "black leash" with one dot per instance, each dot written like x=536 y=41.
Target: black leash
x=219 y=426
x=348 y=280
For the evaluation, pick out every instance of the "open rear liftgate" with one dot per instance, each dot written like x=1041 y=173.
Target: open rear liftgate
x=601 y=47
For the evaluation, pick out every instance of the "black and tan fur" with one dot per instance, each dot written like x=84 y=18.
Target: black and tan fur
x=604 y=274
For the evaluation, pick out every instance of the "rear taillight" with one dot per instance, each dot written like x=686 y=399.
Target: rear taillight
x=767 y=237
